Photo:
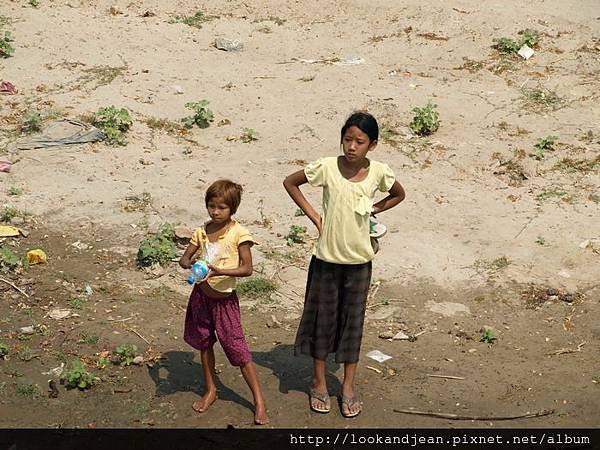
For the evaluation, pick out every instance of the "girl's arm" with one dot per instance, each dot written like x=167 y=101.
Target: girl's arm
x=292 y=185
x=186 y=259
x=244 y=269
x=396 y=195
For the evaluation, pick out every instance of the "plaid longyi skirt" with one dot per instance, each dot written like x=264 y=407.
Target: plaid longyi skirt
x=334 y=310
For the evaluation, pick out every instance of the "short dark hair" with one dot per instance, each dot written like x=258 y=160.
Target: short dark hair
x=365 y=122
x=230 y=192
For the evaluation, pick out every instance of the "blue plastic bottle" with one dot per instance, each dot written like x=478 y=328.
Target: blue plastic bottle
x=199 y=271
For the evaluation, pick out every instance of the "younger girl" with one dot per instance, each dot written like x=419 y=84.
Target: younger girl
x=339 y=274
x=213 y=310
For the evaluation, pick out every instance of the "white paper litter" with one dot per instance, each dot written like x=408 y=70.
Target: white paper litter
x=57 y=371
x=400 y=336
x=378 y=356
x=525 y=52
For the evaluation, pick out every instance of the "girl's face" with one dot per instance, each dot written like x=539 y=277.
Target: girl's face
x=356 y=144
x=218 y=210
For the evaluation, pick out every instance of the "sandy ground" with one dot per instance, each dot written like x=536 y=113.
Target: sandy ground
x=485 y=227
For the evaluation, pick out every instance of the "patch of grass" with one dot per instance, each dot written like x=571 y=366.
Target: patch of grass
x=504 y=126
x=578 y=165
x=488 y=336
x=103 y=75
x=4 y=350
x=89 y=339
x=540 y=241
x=13 y=372
x=31 y=122
x=158 y=249
x=541 y=99
x=164 y=124
x=28 y=390
x=543 y=145
x=256 y=287
x=275 y=19
x=296 y=235
x=114 y=122
x=6 y=50
x=195 y=21
x=14 y=190
x=75 y=302
x=137 y=202
x=248 y=135
x=8 y=260
x=125 y=353
x=425 y=121
x=529 y=37
x=506 y=45
x=8 y=214
x=202 y=117
x=76 y=376
x=550 y=193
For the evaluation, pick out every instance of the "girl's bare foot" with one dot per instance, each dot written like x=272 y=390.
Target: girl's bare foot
x=260 y=415
x=204 y=402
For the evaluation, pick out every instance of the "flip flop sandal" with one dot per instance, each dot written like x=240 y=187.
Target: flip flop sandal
x=349 y=402
x=322 y=397
x=376 y=230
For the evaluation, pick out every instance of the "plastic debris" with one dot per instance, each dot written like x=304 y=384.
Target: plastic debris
x=178 y=89
x=138 y=360
x=36 y=256
x=228 y=45
x=27 y=330
x=88 y=290
x=64 y=132
x=80 y=245
x=7 y=88
x=401 y=336
x=5 y=166
x=61 y=313
x=526 y=52
x=350 y=61
x=56 y=372
x=8 y=231
x=378 y=356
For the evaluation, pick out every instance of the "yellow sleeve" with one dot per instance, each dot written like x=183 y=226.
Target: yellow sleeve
x=198 y=238
x=386 y=179
x=314 y=172
x=244 y=235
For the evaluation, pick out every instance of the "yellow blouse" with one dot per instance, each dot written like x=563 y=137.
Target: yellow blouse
x=223 y=253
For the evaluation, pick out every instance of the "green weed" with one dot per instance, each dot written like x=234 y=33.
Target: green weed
x=8 y=260
x=256 y=287
x=34 y=3
x=32 y=122
x=14 y=190
x=202 y=115
x=550 y=193
x=125 y=353
x=528 y=37
x=497 y=264
x=541 y=100
x=76 y=376
x=296 y=235
x=540 y=241
x=6 y=50
x=89 y=339
x=543 y=145
x=488 y=336
x=28 y=390
x=158 y=249
x=195 y=21
x=299 y=213
x=102 y=75
x=8 y=214
x=248 y=135
x=388 y=134
x=75 y=302
x=508 y=46
x=425 y=121
x=4 y=350
x=114 y=122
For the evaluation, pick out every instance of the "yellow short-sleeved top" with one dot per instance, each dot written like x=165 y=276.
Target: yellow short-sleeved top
x=346 y=210
x=223 y=253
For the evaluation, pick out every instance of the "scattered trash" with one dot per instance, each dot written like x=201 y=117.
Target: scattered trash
x=378 y=356
x=64 y=132
x=350 y=61
x=562 y=351
x=5 y=166
x=88 y=290
x=228 y=45
x=400 y=336
x=178 y=89
x=36 y=256
x=375 y=369
x=56 y=372
x=7 y=88
x=27 y=330
x=61 y=313
x=525 y=52
x=8 y=231
x=52 y=388
x=80 y=245
x=138 y=360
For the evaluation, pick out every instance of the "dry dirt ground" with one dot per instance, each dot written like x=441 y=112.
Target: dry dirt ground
x=488 y=236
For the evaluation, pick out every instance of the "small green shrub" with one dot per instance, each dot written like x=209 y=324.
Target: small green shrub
x=158 y=249
x=32 y=122
x=14 y=190
x=114 y=122
x=296 y=235
x=34 y=3
x=28 y=390
x=125 y=353
x=249 y=135
x=543 y=145
x=75 y=376
x=202 y=115
x=195 y=21
x=8 y=260
x=75 y=302
x=425 y=121
x=256 y=287
x=6 y=50
x=488 y=336
x=528 y=37
x=506 y=45
x=4 y=350
x=8 y=214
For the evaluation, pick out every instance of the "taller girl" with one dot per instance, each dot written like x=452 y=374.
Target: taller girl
x=339 y=274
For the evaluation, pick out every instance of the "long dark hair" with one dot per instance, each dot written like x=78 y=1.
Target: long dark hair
x=365 y=122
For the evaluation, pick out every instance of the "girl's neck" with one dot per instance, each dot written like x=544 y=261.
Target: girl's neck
x=355 y=165
x=215 y=227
